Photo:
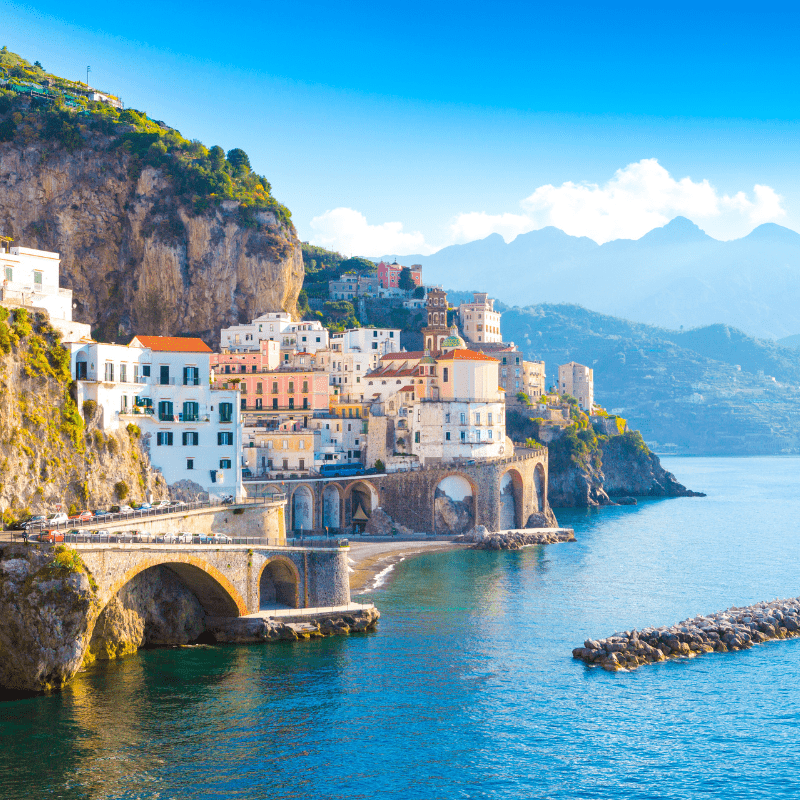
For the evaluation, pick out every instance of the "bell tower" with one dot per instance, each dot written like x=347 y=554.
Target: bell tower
x=436 y=312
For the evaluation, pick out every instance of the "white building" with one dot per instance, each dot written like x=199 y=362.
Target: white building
x=275 y=326
x=162 y=384
x=479 y=321
x=576 y=380
x=31 y=278
x=353 y=354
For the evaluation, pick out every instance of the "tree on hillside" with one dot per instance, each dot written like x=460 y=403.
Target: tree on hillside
x=406 y=282
x=239 y=158
x=357 y=264
x=216 y=157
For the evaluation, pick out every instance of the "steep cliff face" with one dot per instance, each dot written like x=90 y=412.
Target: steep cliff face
x=157 y=234
x=136 y=260
x=48 y=455
x=630 y=468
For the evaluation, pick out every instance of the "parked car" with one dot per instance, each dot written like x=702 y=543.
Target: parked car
x=51 y=536
x=55 y=519
x=220 y=538
x=169 y=538
x=125 y=510
x=83 y=515
x=145 y=507
x=98 y=536
x=227 y=499
x=163 y=504
x=31 y=521
x=100 y=512
x=185 y=538
x=177 y=504
x=202 y=538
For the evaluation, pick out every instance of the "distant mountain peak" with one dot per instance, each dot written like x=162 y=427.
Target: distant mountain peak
x=678 y=230
x=773 y=232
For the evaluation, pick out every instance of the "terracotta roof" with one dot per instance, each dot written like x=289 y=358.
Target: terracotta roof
x=174 y=344
x=465 y=355
x=407 y=356
x=407 y=389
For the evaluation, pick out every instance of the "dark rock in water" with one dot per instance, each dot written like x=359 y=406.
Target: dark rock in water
x=542 y=519
x=734 y=629
x=514 y=540
x=625 y=501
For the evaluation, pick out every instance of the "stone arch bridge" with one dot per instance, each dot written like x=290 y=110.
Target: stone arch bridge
x=504 y=493
x=229 y=580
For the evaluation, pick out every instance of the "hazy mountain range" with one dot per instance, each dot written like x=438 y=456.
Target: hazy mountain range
x=673 y=276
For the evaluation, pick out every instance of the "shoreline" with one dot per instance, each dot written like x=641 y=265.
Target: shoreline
x=371 y=563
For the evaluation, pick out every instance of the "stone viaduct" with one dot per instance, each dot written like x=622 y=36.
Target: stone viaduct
x=229 y=580
x=505 y=492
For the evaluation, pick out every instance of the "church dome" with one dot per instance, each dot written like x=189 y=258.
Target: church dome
x=453 y=341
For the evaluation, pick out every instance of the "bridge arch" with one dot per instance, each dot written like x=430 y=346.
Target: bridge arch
x=279 y=583
x=332 y=506
x=302 y=508
x=512 y=500
x=363 y=500
x=454 y=501
x=215 y=593
x=540 y=484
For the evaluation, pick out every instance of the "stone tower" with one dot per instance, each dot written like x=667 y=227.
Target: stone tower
x=436 y=329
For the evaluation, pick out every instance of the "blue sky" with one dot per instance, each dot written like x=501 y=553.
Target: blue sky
x=402 y=129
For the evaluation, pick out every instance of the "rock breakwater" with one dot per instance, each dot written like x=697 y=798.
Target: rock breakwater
x=481 y=539
x=734 y=629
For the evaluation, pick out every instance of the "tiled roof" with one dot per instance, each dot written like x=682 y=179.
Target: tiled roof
x=172 y=344
x=407 y=389
x=465 y=355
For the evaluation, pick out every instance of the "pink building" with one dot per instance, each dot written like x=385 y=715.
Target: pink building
x=266 y=358
x=278 y=390
x=389 y=274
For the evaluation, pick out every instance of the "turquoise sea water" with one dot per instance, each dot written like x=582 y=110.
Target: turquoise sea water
x=468 y=688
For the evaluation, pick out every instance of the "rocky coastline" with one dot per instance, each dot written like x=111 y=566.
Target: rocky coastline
x=481 y=539
x=730 y=630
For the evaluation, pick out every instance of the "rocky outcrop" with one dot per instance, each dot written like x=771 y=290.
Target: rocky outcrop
x=154 y=608
x=634 y=470
x=137 y=259
x=452 y=516
x=244 y=630
x=47 y=608
x=481 y=539
x=734 y=629
x=575 y=485
x=381 y=524
x=542 y=519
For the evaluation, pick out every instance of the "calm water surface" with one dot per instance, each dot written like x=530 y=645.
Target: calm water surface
x=468 y=690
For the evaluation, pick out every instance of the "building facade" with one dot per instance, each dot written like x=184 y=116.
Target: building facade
x=274 y=326
x=479 y=321
x=389 y=274
x=577 y=380
x=162 y=385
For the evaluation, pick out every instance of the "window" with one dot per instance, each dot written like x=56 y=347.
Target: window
x=490 y=418
x=447 y=436
x=477 y=419
x=463 y=436
x=191 y=376
x=225 y=412
x=243 y=387
x=291 y=387
x=374 y=345
x=286 y=463
x=123 y=403
x=224 y=463
x=301 y=445
x=305 y=402
x=269 y=445
x=259 y=388
x=285 y=444
x=274 y=387
x=291 y=402
x=253 y=368
x=243 y=404
x=227 y=369
x=164 y=377
x=274 y=403
x=191 y=438
x=446 y=374
x=109 y=371
x=164 y=438
x=165 y=411
x=490 y=435
x=305 y=386
x=123 y=373
x=259 y=403
x=80 y=371
x=191 y=412
x=9 y=274
x=463 y=418
x=189 y=463
x=416 y=437
x=225 y=437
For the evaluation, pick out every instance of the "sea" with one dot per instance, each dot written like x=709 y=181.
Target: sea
x=467 y=689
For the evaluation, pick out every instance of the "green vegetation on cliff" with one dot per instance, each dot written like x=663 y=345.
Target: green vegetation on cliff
x=35 y=105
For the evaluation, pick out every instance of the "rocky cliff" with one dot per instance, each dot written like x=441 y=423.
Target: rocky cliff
x=48 y=455
x=157 y=235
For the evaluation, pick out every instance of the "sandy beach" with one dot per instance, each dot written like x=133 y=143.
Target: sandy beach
x=370 y=559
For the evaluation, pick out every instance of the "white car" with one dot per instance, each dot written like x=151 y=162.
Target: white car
x=185 y=538
x=125 y=509
x=54 y=519
x=163 y=504
x=220 y=538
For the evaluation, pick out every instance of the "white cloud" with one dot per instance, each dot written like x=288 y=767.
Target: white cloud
x=347 y=230
x=638 y=198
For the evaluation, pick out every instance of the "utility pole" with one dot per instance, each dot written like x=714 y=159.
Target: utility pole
x=88 y=70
